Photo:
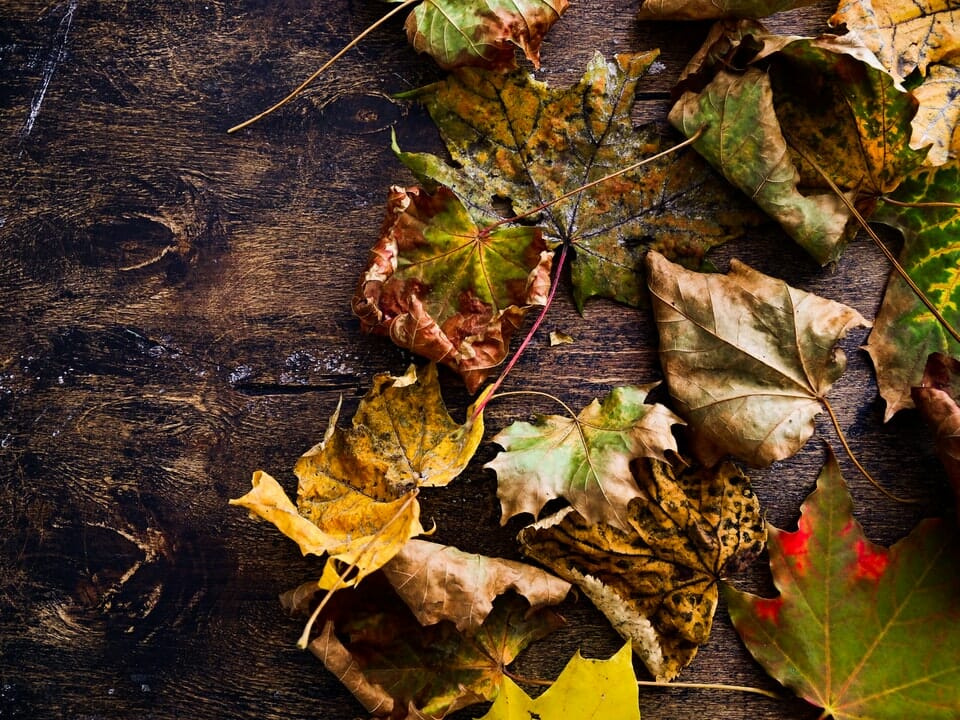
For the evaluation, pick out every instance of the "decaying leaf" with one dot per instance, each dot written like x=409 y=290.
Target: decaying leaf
x=584 y=459
x=865 y=632
x=936 y=399
x=657 y=582
x=482 y=33
x=748 y=359
x=937 y=122
x=442 y=287
x=514 y=138
x=585 y=690
x=399 y=669
x=906 y=35
x=905 y=332
x=714 y=9
x=792 y=103
x=356 y=499
x=440 y=582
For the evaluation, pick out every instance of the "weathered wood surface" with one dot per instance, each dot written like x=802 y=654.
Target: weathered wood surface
x=175 y=315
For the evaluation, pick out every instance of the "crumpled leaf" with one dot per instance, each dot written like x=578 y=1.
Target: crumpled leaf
x=657 y=582
x=937 y=122
x=514 y=138
x=356 y=499
x=585 y=690
x=860 y=630
x=442 y=287
x=482 y=33
x=936 y=399
x=905 y=332
x=441 y=582
x=399 y=669
x=797 y=101
x=714 y=9
x=585 y=460
x=747 y=358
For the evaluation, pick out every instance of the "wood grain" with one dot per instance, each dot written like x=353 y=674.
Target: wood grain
x=175 y=315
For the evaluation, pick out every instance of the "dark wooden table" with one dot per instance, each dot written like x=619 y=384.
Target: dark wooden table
x=175 y=315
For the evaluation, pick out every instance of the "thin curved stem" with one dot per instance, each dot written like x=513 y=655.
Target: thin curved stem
x=303 y=86
x=661 y=684
x=853 y=458
x=932 y=204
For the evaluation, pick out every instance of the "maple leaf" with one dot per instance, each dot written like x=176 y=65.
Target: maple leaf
x=795 y=102
x=906 y=332
x=714 y=9
x=584 y=459
x=482 y=33
x=515 y=138
x=936 y=398
x=748 y=359
x=441 y=582
x=399 y=669
x=585 y=689
x=657 y=582
x=860 y=630
x=356 y=499
x=439 y=286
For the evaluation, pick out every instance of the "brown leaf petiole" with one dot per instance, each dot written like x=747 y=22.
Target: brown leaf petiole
x=303 y=86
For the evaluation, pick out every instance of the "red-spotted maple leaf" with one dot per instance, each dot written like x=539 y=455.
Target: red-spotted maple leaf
x=861 y=630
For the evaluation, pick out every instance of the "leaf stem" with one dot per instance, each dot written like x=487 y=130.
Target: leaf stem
x=543 y=206
x=883 y=248
x=529 y=337
x=921 y=205
x=303 y=86
x=853 y=458
x=661 y=684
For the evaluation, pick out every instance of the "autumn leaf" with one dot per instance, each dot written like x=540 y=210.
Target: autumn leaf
x=482 y=33
x=440 y=286
x=906 y=332
x=657 y=582
x=584 y=459
x=936 y=398
x=441 y=582
x=796 y=101
x=585 y=689
x=747 y=358
x=860 y=630
x=937 y=122
x=399 y=669
x=356 y=499
x=714 y=9
x=514 y=138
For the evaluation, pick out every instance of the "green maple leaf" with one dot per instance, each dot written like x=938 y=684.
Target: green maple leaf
x=585 y=689
x=584 y=459
x=748 y=359
x=481 y=33
x=865 y=632
x=439 y=285
x=905 y=332
x=514 y=138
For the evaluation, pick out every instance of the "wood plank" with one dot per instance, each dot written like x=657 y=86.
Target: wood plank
x=176 y=315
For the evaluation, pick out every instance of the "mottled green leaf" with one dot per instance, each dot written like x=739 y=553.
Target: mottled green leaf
x=905 y=332
x=865 y=632
x=482 y=33
x=584 y=459
x=748 y=359
x=513 y=138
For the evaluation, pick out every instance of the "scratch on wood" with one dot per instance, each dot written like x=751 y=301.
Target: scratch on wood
x=56 y=56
